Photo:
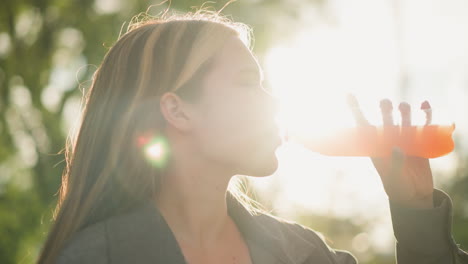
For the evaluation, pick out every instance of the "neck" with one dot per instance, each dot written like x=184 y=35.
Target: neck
x=193 y=201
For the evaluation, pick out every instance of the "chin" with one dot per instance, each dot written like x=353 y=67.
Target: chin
x=263 y=168
x=260 y=161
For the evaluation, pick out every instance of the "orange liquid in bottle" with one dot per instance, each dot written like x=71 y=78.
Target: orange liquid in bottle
x=429 y=141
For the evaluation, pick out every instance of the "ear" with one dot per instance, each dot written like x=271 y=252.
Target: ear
x=175 y=111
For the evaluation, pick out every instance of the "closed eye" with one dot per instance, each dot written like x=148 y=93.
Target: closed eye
x=249 y=82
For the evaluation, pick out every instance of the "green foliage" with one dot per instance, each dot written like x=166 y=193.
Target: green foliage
x=458 y=189
x=48 y=53
x=49 y=50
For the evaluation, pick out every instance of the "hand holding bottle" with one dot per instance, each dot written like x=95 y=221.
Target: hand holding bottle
x=428 y=141
x=406 y=179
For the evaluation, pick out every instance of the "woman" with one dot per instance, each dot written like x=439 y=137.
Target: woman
x=175 y=110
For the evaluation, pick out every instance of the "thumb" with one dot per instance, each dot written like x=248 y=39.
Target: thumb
x=353 y=105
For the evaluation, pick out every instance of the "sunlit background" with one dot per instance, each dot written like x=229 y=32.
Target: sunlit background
x=313 y=53
x=403 y=50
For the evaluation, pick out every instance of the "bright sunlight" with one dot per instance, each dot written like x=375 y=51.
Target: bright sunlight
x=313 y=72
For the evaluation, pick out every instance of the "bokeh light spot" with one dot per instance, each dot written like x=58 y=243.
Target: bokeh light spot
x=155 y=150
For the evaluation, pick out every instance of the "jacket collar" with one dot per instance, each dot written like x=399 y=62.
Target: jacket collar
x=143 y=236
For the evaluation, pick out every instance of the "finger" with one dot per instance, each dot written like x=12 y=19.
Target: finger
x=426 y=107
x=405 y=110
x=397 y=163
x=359 y=117
x=386 y=107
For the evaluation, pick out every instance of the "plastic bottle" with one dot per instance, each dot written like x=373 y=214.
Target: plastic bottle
x=429 y=141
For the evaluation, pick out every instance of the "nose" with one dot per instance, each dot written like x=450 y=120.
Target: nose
x=271 y=104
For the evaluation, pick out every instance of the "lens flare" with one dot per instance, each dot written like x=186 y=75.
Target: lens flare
x=155 y=149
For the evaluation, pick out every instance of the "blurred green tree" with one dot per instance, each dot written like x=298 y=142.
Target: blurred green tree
x=49 y=50
x=48 y=53
x=457 y=187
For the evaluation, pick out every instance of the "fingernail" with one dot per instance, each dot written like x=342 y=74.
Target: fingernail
x=425 y=105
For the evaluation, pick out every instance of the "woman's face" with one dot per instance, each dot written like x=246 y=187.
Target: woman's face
x=234 y=122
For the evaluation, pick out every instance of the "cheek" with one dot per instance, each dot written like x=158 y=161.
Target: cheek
x=235 y=120
x=225 y=123
x=230 y=131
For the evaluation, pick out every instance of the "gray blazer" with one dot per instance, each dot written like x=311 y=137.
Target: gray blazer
x=143 y=236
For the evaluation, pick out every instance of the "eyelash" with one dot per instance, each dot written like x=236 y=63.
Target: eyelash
x=250 y=84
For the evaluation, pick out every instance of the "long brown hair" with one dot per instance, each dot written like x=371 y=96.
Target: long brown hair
x=106 y=172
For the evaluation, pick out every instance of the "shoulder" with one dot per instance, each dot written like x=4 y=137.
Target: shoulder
x=291 y=231
x=88 y=245
x=302 y=240
x=116 y=236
